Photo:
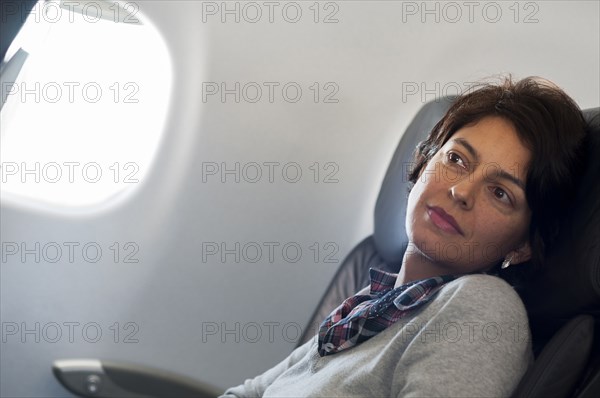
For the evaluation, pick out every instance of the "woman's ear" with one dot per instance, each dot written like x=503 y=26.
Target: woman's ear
x=520 y=254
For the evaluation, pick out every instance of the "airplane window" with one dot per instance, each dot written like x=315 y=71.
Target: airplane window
x=82 y=119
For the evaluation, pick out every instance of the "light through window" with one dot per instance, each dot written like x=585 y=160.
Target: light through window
x=83 y=119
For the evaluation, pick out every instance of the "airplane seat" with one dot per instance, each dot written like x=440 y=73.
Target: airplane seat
x=562 y=302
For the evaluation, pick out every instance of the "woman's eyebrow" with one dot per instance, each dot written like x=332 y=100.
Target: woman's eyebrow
x=468 y=147
x=503 y=174
x=499 y=173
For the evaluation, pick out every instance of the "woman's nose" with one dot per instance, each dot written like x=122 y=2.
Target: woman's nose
x=463 y=193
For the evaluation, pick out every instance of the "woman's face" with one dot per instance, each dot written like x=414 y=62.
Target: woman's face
x=468 y=211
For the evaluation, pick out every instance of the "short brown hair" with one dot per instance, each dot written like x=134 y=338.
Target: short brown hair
x=551 y=126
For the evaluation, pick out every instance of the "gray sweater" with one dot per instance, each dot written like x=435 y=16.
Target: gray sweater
x=471 y=340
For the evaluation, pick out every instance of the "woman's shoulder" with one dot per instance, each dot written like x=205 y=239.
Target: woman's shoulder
x=481 y=284
x=482 y=293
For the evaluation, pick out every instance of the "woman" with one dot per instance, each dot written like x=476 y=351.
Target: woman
x=489 y=180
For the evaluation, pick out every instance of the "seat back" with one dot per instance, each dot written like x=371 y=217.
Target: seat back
x=569 y=285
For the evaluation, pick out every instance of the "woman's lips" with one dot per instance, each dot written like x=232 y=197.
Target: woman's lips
x=443 y=220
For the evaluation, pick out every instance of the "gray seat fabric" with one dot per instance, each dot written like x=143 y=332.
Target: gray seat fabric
x=591 y=387
x=569 y=286
x=549 y=377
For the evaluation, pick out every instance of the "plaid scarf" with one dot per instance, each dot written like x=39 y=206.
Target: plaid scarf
x=362 y=316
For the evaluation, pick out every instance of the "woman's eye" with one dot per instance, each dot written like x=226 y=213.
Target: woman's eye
x=453 y=157
x=501 y=195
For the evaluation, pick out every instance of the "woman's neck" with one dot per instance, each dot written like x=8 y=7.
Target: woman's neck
x=417 y=266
